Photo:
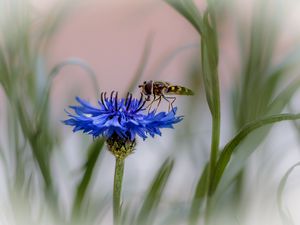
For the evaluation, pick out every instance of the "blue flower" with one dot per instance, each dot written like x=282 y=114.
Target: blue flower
x=125 y=118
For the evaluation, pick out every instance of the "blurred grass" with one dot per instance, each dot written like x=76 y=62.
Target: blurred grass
x=149 y=207
x=284 y=213
x=94 y=152
x=27 y=83
x=259 y=97
x=255 y=99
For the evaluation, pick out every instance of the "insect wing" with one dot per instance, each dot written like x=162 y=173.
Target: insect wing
x=160 y=87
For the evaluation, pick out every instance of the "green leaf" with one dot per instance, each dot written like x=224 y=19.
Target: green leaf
x=153 y=196
x=290 y=61
x=4 y=74
x=210 y=39
x=93 y=154
x=188 y=9
x=284 y=97
x=209 y=59
x=241 y=135
x=36 y=140
x=77 y=62
x=53 y=73
x=6 y=166
x=210 y=56
x=286 y=219
x=255 y=138
x=199 y=196
x=125 y=214
x=206 y=27
x=256 y=64
x=128 y=214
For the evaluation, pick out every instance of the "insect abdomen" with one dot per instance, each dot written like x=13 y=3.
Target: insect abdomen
x=179 y=90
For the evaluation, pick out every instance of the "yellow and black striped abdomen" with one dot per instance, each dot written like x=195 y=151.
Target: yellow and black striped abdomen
x=178 y=90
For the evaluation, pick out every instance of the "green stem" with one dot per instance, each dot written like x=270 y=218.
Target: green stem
x=215 y=140
x=216 y=116
x=119 y=170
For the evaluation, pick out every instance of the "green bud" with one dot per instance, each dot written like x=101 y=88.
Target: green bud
x=120 y=147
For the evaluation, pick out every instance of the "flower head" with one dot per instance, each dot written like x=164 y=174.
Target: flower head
x=125 y=118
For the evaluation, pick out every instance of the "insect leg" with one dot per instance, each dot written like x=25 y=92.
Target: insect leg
x=170 y=100
x=151 y=103
x=159 y=100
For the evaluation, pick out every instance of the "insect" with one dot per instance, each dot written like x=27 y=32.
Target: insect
x=162 y=89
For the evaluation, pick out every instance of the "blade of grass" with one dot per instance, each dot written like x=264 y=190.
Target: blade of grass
x=284 y=97
x=4 y=74
x=94 y=151
x=289 y=62
x=206 y=28
x=296 y=125
x=175 y=214
x=210 y=56
x=154 y=193
x=256 y=64
x=286 y=219
x=188 y=9
x=33 y=138
x=199 y=197
x=241 y=135
x=77 y=62
x=6 y=168
x=126 y=217
x=54 y=72
x=246 y=148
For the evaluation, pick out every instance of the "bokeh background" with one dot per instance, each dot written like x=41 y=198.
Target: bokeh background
x=109 y=40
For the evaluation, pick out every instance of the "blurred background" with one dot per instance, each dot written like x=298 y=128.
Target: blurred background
x=52 y=51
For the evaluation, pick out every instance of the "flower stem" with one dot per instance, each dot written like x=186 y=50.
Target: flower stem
x=119 y=170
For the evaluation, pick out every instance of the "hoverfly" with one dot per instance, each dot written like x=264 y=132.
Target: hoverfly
x=162 y=89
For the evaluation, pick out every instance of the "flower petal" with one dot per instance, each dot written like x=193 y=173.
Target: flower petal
x=116 y=117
